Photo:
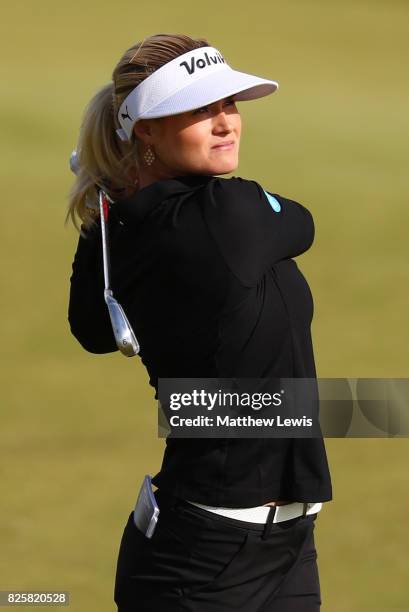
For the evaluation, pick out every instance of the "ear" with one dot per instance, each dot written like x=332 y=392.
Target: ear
x=142 y=130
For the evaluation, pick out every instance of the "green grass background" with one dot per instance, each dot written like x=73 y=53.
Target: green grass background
x=78 y=431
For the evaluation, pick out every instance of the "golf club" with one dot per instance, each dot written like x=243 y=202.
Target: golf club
x=123 y=332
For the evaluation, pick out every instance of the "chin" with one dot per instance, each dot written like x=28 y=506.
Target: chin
x=228 y=170
x=222 y=167
x=225 y=168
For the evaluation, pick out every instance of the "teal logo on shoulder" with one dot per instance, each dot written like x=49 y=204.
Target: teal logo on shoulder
x=274 y=203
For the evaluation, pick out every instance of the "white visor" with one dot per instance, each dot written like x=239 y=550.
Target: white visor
x=188 y=82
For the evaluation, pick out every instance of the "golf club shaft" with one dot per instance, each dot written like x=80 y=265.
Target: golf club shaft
x=105 y=238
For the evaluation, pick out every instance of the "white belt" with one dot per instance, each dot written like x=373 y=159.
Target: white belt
x=258 y=514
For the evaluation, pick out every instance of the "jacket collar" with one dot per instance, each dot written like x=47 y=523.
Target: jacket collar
x=137 y=206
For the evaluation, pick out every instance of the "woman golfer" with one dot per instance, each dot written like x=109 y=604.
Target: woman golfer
x=203 y=268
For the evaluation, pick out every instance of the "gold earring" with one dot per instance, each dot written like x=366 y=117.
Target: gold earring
x=149 y=156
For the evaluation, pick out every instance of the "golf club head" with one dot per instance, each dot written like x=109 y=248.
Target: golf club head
x=123 y=332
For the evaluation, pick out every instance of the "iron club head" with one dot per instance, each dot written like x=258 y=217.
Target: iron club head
x=123 y=332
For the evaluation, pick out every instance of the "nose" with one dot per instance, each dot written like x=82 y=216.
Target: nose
x=222 y=121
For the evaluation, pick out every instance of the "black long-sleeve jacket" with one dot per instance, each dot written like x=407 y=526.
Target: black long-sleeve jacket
x=203 y=267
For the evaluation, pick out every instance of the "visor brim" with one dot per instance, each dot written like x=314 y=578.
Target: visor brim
x=211 y=88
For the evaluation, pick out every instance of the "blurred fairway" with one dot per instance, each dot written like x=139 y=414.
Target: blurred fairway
x=78 y=431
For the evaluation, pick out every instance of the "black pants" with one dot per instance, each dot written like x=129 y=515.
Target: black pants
x=199 y=561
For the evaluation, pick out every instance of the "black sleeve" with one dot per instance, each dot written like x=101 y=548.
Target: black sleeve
x=251 y=235
x=87 y=312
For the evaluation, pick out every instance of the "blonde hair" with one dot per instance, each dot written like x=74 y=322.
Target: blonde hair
x=104 y=159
